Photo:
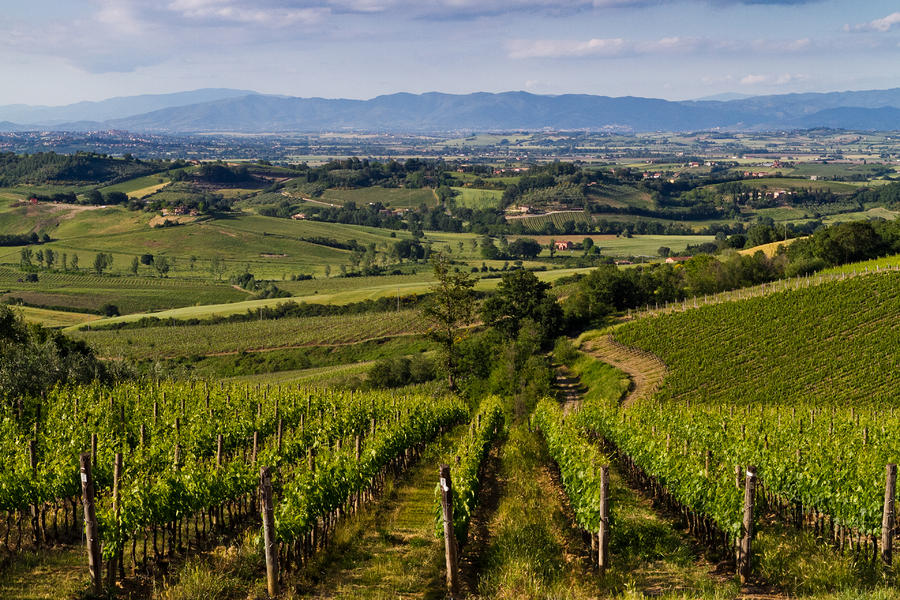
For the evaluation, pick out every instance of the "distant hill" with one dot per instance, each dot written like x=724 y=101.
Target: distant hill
x=113 y=108
x=247 y=112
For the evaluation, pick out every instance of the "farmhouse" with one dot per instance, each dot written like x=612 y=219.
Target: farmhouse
x=564 y=245
x=299 y=216
x=676 y=259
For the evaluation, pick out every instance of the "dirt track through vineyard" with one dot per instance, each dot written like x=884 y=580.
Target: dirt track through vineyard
x=646 y=370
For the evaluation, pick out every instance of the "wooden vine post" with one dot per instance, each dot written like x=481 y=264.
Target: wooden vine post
x=35 y=509
x=117 y=476
x=888 y=517
x=603 y=534
x=449 y=534
x=90 y=524
x=747 y=525
x=268 y=519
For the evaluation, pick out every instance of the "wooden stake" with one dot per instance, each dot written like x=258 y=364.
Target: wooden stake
x=268 y=519
x=450 y=549
x=747 y=526
x=887 y=520
x=603 y=534
x=90 y=523
x=117 y=476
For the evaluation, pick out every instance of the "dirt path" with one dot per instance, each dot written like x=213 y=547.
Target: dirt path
x=531 y=549
x=646 y=370
x=568 y=389
x=390 y=551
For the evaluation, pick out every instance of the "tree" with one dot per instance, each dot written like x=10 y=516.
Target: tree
x=524 y=248
x=65 y=262
x=135 y=265
x=102 y=262
x=552 y=247
x=74 y=262
x=587 y=244
x=664 y=251
x=217 y=267
x=162 y=265
x=25 y=257
x=49 y=257
x=147 y=259
x=39 y=255
x=520 y=296
x=452 y=307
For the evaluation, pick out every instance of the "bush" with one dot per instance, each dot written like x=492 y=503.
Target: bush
x=110 y=310
x=564 y=352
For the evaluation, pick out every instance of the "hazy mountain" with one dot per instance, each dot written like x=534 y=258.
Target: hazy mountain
x=725 y=97
x=113 y=108
x=880 y=119
x=247 y=112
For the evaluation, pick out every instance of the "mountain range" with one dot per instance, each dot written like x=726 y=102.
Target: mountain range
x=241 y=111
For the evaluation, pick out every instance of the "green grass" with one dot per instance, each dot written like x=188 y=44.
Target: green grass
x=46 y=575
x=389 y=551
x=331 y=376
x=53 y=318
x=132 y=187
x=533 y=552
x=866 y=265
x=476 y=198
x=871 y=213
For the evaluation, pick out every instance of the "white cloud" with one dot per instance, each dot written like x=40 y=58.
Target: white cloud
x=772 y=79
x=232 y=11
x=882 y=25
x=615 y=47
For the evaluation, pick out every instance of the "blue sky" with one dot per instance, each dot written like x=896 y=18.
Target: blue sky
x=61 y=51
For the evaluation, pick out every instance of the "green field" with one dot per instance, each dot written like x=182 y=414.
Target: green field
x=787 y=183
x=611 y=245
x=85 y=291
x=54 y=318
x=416 y=285
x=140 y=186
x=476 y=198
x=224 y=338
x=392 y=197
x=866 y=265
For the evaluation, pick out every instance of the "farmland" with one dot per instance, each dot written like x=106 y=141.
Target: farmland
x=79 y=292
x=229 y=338
x=738 y=360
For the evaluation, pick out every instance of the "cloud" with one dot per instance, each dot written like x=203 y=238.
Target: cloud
x=881 y=25
x=772 y=79
x=258 y=13
x=617 y=47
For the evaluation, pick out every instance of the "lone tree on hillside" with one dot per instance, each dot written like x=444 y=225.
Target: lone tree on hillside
x=451 y=308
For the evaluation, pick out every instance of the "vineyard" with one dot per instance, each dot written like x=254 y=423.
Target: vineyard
x=800 y=384
x=80 y=291
x=164 y=466
x=189 y=340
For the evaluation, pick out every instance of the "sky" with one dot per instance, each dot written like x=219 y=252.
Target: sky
x=55 y=52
